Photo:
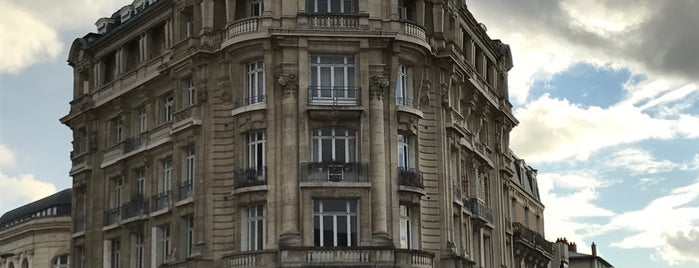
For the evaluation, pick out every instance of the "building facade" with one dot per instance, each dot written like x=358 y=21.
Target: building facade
x=259 y=133
x=37 y=234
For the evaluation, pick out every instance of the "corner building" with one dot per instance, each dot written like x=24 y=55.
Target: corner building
x=295 y=133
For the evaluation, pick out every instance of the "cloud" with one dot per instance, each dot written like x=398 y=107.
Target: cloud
x=7 y=158
x=640 y=161
x=31 y=27
x=22 y=189
x=655 y=38
x=554 y=129
x=674 y=238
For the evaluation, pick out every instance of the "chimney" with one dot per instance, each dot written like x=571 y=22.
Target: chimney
x=594 y=249
x=572 y=247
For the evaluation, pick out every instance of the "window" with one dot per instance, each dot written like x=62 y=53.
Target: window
x=335 y=223
x=405 y=158
x=408 y=231
x=466 y=45
x=256 y=150
x=187 y=236
x=188 y=92
x=189 y=173
x=142 y=121
x=487 y=252
x=167 y=105
x=116 y=131
x=334 y=145
x=163 y=246
x=255 y=82
x=141 y=182
x=58 y=262
x=138 y=258
x=333 y=80
x=405 y=9
x=404 y=86
x=255 y=8
x=253 y=236
x=80 y=141
x=331 y=6
x=80 y=256
x=165 y=183
x=457 y=234
x=117 y=189
x=115 y=254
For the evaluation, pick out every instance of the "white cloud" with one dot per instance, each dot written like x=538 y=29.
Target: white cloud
x=640 y=161
x=22 y=189
x=30 y=28
x=673 y=235
x=7 y=158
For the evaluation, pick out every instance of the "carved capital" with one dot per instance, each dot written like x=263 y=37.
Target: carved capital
x=288 y=84
x=378 y=87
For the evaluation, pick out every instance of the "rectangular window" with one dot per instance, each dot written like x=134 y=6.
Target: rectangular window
x=138 y=258
x=404 y=86
x=466 y=46
x=117 y=189
x=331 y=6
x=116 y=130
x=333 y=80
x=405 y=9
x=80 y=141
x=188 y=92
x=256 y=150
x=163 y=246
x=141 y=182
x=255 y=8
x=167 y=106
x=253 y=236
x=407 y=235
x=335 y=223
x=142 y=121
x=190 y=165
x=187 y=237
x=405 y=158
x=165 y=183
x=255 y=82
x=334 y=145
x=115 y=254
x=457 y=234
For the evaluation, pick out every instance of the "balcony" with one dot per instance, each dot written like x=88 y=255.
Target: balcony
x=112 y=216
x=415 y=31
x=530 y=244
x=479 y=210
x=410 y=177
x=334 y=96
x=162 y=201
x=355 y=257
x=334 y=172
x=248 y=177
x=138 y=206
x=186 y=190
x=249 y=104
x=185 y=118
x=342 y=21
x=133 y=143
x=457 y=192
x=249 y=25
x=265 y=258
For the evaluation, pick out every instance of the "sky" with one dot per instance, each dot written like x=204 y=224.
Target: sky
x=605 y=91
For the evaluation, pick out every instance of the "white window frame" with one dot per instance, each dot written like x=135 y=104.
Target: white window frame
x=345 y=6
x=115 y=254
x=139 y=251
x=350 y=213
x=168 y=105
x=189 y=92
x=187 y=236
x=255 y=8
x=406 y=227
x=117 y=191
x=117 y=130
x=164 y=237
x=165 y=183
x=349 y=139
x=404 y=86
x=256 y=153
x=254 y=230
x=62 y=261
x=141 y=181
x=142 y=120
x=340 y=86
x=255 y=82
x=405 y=152
x=190 y=166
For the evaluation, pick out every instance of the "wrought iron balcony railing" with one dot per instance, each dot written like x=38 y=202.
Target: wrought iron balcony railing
x=334 y=96
x=531 y=238
x=133 y=143
x=457 y=191
x=410 y=177
x=248 y=177
x=112 y=216
x=248 y=101
x=479 y=209
x=186 y=190
x=137 y=206
x=408 y=102
x=334 y=172
x=162 y=200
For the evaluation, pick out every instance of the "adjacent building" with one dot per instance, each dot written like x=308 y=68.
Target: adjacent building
x=37 y=234
x=297 y=133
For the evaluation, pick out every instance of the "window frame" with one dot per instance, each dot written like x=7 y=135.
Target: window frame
x=351 y=217
x=254 y=224
x=333 y=87
x=255 y=82
x=167 y=107
x=350 y=144
x=313 y=6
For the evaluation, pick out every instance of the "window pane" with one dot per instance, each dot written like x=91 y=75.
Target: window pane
x=327 y=150
x=316 y=231
x=339 y=81
x=353 y=230
x=352 y=152
x=260 y=230
x=334 y=205
x=316 y=149
x=325 y=80
x=314 y=76
x=340 y=150
x=342 y=231
x=328 y=235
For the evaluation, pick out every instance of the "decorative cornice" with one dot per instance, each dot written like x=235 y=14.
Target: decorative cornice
x=378 y=87
x=288 y=84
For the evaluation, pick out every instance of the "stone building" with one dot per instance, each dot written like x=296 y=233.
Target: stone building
x=37 y=234
x=260 y=133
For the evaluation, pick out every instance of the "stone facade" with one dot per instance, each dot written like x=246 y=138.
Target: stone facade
x=250 y=133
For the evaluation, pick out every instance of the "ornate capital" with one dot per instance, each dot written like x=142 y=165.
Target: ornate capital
x=378 y=87
x=288 y=84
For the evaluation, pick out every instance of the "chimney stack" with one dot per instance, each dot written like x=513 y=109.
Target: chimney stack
x=594 y=249
x=572 y=247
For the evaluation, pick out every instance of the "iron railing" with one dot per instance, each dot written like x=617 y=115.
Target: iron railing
x=335 y=172
x=247 y=177
x=410 y=177
x=479 y=209
x=137 y=206
x=531 y=238
x=249 y=100
x=457 y=191
x=334 y=96
x=133 y=143
x=408 y=102
x=162 y=200
x=112 y=216
x=186 y=190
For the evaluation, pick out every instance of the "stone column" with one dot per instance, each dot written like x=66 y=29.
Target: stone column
x=289 y=203
x=207 y=15
x=230 y=11
x=377 y=91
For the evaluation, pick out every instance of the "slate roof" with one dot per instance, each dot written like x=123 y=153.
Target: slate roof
x=62 y=200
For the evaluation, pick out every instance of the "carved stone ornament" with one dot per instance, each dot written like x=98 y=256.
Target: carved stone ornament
x=379 y=85
x=288 y=84
x=202 y=95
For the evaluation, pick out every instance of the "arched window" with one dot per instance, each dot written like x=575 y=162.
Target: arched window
x=61 y=262
x=11 y=265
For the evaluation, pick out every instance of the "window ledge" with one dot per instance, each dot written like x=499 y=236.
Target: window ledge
x=249 y=108
x=326 y=184
x=410 y=110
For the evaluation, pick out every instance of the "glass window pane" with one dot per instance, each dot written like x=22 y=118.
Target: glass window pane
x=352 y=206
x=314 y=76
x=353 y=230
x=327 y=150
x=352 y=151
x=339 y=73
x=328 y=235
x=333 y=205
x=259 y=234
x=350 y=76
x=316 y=149
x=316 y=231
x=342 y=231
x=322 y=6
x=340 y=150
x=325 y=80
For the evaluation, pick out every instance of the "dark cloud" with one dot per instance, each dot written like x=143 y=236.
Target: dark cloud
x=666 y=43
